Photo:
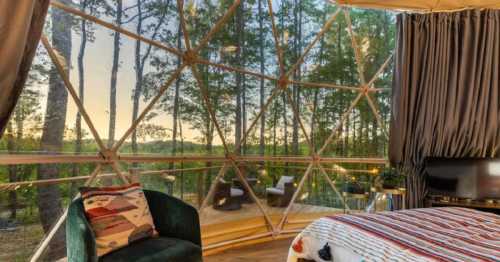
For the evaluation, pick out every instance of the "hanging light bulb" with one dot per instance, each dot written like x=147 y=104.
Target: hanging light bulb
x=262 y=172
x=229 y=49
x=285 y=37
x=304 y=196
x=365 y=45
x=192 y=8
x=170 y=178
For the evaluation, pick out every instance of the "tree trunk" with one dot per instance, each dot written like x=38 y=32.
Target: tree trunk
x=49 y=197
x=81 y=89
x=138 y=75
x=182 y=163
x=238 y=87
x=296 y=75
x=114 y=75
x=11 y=148
x=262 y=71
x=285 y=131
x=140 y=60
x=176 y=97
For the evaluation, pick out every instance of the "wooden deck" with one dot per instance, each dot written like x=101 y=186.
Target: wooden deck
x=221 y=230
x=274 y=251
x=211 y=216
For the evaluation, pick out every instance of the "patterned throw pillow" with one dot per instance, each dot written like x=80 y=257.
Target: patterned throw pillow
x=118 y=216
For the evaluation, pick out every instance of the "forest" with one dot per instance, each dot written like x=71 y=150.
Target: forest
x=116 y=82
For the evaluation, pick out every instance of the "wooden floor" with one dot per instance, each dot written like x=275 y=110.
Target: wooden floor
x=211 y=216
x=273 y=251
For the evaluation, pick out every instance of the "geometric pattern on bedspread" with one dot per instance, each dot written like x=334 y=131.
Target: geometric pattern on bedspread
x=427 y=234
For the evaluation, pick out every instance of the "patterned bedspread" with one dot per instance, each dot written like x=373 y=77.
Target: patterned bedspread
x=427 y=234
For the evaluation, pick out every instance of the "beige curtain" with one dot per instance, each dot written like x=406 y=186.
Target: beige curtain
x=21 y=24
x=446 y=91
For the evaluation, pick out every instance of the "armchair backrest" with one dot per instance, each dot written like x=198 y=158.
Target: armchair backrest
x=284 y=180
x=172 y=218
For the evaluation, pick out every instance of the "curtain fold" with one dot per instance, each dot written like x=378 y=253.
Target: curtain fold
x=446 y=90
x=21 y=24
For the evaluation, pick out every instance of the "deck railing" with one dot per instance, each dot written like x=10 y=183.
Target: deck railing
x=319 y=195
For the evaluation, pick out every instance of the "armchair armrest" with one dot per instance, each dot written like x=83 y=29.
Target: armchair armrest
x=174 y=218
x=80 y=239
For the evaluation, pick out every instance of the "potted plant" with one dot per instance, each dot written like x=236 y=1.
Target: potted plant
x=353 y=187
x=391 y=179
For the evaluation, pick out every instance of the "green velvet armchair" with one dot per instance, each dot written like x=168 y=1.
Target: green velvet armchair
x=176 y=222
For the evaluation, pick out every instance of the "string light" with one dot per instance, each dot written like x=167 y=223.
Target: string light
x=229 y=49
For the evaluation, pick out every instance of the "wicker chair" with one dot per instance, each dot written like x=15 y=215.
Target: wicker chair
x=176 y=222
x=227 y=197
x=281 y=194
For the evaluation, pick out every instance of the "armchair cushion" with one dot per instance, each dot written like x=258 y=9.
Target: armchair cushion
x=284 y=180
x=118 y=215
x=275 y=191
x=235 y=192
x=157 y=249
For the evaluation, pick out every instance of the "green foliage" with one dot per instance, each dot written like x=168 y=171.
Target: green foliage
x=391 y=178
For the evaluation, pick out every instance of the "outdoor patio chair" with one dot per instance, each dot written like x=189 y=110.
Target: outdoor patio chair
x=281 y=194
x=176 y=222
x=227 y=197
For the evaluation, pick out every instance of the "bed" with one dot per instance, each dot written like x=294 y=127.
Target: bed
x=426 y=234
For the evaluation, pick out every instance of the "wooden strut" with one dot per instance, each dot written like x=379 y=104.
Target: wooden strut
x=247 y=186
x=323 y=171
x=338 y=170
x=379 y=71
x=326 y=86
x=60 y=221
x=357 y=51
x=148 y=108
x=376 y=113
x=235 y=69
x=6 y=159
x=295 y=111
x=191 y=60
x=182 y=22
x=294 y=197
x=276 y=91
x=67 y=83
x=211 y=191
x=211 y=111
x=320 y=34
x=217 y=26
x=371 y=103
x=12 y=186
x=158 y=44
x=279 y=51
x=339 y=125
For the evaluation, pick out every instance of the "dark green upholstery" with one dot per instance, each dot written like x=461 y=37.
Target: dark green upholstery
x=176 y=222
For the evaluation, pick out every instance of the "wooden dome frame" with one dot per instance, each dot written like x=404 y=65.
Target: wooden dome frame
x=191 y=60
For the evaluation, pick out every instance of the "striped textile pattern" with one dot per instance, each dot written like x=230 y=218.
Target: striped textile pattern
x=426 y=234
